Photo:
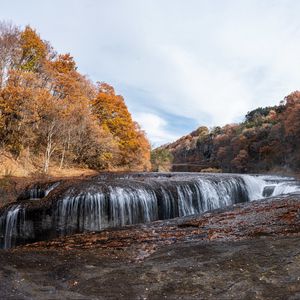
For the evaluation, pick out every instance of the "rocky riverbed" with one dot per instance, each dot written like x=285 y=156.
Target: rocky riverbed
x=246 y=251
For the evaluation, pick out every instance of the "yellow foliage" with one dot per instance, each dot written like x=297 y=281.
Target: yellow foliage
x=47 y=106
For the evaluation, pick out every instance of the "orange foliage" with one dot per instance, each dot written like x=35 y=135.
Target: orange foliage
x=114 y=117
x=268 y=138
x=49 y=108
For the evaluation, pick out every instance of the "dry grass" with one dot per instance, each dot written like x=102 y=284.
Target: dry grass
x=211 y=170
x=12 y=167
x=70 y=172
x=15 y=175
x=24 y=167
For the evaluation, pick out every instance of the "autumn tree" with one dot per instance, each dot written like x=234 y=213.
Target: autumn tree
x=10 y=52
x=33 y=50
x=48 y=108
x=114 y=117
x=292 y=129
x=240 y=161
x=161 y=160
x=18 y=104
x=268 y=138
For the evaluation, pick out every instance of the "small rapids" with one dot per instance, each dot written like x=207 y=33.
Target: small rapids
x=61 y=208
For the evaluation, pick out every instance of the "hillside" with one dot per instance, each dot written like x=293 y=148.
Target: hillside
x=267 y=140
x=53 y=116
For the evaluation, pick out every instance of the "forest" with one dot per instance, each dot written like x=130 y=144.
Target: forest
x=267 y=140
x=50 y=114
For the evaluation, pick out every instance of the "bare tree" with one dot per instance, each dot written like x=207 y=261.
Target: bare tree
x=9 y=49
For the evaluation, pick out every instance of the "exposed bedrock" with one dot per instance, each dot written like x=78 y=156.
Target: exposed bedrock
x=245 y=251
x=49 y=210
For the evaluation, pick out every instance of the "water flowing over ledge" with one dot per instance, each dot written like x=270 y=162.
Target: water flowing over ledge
x=45 y=211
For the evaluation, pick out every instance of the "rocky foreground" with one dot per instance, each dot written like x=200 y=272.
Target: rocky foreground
x=248 y=251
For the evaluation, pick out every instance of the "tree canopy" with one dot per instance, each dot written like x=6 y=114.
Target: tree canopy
x=57 y=115
x=269 y=138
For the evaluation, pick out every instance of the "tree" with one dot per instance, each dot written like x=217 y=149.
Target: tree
x=113 y=115
x=269 y=137
x=161 y=159
x=240 y=161
x=9 y=50
x=48 y=108
x=34 y=50
x=292 y=129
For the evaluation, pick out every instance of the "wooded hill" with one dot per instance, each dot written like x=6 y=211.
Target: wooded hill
x=267 y=140
x=52 y=114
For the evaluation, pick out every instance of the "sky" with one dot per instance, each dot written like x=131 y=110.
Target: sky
x=179 y=64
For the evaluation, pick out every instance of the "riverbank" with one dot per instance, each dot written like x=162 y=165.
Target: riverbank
x=245 y=251
x=12 y=186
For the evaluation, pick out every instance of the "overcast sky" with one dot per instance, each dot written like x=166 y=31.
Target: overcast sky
x=178 y=63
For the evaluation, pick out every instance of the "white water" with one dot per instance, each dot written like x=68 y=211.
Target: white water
x=11 y=225
x=161 y=198
x=130 y=200
x=255 y=186
x=282 y=189
x=51 y=188
x=37 y=192
x=281 y=185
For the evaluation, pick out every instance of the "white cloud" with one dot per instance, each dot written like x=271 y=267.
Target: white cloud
x=194 y=58
x=155 y=128
x=205 y=88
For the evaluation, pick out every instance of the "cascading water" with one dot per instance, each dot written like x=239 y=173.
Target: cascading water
x=117 y=200
x=38 y=191
x=10 y=220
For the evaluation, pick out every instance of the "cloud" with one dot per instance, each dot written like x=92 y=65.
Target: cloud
x=199 y=62
x=155 y=128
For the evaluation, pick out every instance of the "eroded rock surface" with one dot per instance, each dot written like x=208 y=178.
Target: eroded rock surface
x=248 y=251
x=53 y=209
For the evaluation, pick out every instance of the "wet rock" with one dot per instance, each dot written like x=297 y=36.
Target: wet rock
x=271 y=217
x=114 y=200
x=246 y=251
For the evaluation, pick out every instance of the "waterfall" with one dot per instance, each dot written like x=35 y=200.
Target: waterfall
x=10 y=224
x=114 y=207
x=38 y=191
x=283 y=188
x=260 y=187
x=117 y=200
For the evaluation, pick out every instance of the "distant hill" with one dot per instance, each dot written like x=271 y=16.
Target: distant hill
x=267 y=140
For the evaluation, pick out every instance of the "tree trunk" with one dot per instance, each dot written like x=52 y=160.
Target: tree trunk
x=49 y=148
x=62 y=157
